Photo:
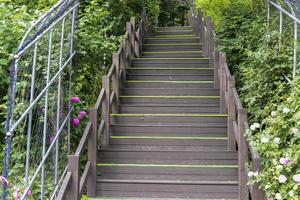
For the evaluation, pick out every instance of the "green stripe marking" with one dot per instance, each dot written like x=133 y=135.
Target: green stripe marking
x=167 y=115
x=171 y=59
x=173 y=38
x=173 y=31
x=169 y=138
x=169 y=52
x=164 y=165
x=178 y=44
x=174 y=97
x=161 y=68
x=176 y=82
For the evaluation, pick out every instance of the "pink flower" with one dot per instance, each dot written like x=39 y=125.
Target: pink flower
x=76 y=122
x=284 y=161
x=75 y=99
x=4 y=180
x=82 y=115
x=29 y=193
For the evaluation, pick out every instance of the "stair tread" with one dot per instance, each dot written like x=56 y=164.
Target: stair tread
x=169 y=140
x=176 y=182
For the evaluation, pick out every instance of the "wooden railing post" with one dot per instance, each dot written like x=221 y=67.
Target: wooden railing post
x=92 y=153
x=133 y=36
x=106 y=108
x=115 y=81
x=73 y=167
x=231 y=114
x=243 y=155
x=223 y=78
x=200 y=26
x=141 y=36
x=209 y=37
x=216 y=60
x=258 y=193
x=129 y=39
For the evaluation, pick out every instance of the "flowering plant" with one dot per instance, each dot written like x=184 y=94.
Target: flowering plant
x=278 y=143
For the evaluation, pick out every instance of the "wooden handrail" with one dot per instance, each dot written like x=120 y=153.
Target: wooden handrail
x=97 y=131
x=230 y=103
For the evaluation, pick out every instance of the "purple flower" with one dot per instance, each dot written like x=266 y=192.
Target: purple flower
x=82 y=115
x=29 y=193
x=75 y=122
x=284 y=161
x=75 y=99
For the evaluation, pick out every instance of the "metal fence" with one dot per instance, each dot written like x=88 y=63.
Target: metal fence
x=39 y=108
x=292 y=15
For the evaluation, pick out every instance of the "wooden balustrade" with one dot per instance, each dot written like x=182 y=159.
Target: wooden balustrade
x=230 y=103
x=96 y=134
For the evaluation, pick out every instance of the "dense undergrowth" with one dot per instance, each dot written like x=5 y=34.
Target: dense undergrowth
x=100 y=29
x=259 y=62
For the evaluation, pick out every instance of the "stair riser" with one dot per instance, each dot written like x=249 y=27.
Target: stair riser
x=169 y=85
x=178 y=28
x=171 y=195
x=170 y=130
x=171 y=77
x=168 y=109
x=167 y=191
x=171 y=65
x=168 y=101
x=153 y=48
x=173 y=171
x=173 y=157
x=167 y=147
x=172 y=55
x=192 y=177
x=205 y=92
x=166 y=161
x=169 y=142
x=172 y=71
x=174 y=32
x=170 y=119
x=172 y=40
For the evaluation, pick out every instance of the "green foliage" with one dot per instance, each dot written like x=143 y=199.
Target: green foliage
x=215 y=8
x=173 y=13
x=258 y=61
x=100 y=29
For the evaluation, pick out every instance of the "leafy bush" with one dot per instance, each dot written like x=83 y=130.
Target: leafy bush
x=258 y=61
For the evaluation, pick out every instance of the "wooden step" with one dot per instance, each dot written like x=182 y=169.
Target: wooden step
x=168 y=189
x=172 y=91
x=171 y=62
x=172 y=47
x=147 y=129
x=167 y=28
x=174 y=70
x=168 y=108
x=175 y=54
x=169 y=84
x=200 y=100
x=174 y=32
x=169 y=118
x=172 y=40
x=167 y=77
x=169 y=157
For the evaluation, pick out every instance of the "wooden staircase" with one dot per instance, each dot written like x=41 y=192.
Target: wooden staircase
x=169 y=140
